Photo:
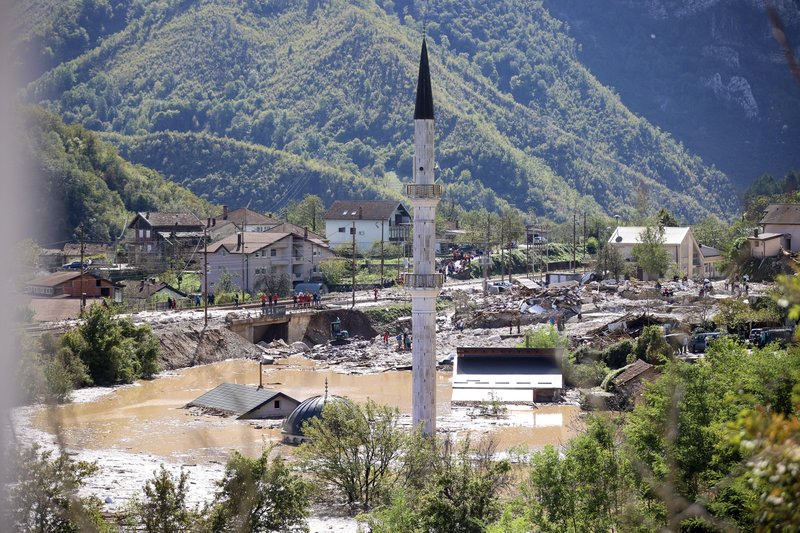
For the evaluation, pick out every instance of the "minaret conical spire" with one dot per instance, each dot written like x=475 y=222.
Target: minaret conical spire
x=424 y=108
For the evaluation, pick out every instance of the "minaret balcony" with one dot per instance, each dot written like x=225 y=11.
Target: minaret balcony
x=424 y=191
x=423 y=281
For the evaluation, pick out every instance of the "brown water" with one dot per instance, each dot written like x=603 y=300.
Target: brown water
x=149 y=417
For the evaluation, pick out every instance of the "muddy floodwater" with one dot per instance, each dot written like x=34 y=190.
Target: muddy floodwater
x=149 y=418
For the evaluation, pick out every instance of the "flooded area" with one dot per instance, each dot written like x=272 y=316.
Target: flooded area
x=149 y=417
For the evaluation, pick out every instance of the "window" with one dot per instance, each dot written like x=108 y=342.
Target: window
x=341 y=230
x=273 y=252
x=141 y=234
x=277 y=404
x=97 y=283
x=147 y=233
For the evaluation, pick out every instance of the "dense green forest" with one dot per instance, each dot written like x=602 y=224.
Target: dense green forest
x=82 y=179
x=710 y=73
x=328 y=86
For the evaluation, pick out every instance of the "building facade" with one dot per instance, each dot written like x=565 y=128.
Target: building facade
x=373 y=221
x=154 y=239
x=679 y=242
x=256 y=260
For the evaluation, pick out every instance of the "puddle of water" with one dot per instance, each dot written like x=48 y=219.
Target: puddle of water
x=149 y=418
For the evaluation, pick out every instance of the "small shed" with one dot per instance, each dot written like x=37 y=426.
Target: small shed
x=630 y=382
x=245 y=402
x=507 y=374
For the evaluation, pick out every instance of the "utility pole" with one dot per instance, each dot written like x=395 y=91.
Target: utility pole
x=353 y=264
x=487 y=256
x=382 y=222
x=83 y=296
x=584 y=242
x=205 y=272
x=502 y=254
x=574 y=236
x=314 y=218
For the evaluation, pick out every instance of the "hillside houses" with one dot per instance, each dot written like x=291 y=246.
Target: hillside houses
x=154 y=239
x=780 y=229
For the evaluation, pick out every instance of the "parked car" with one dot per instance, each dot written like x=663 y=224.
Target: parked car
x=701 y=341
x=755 y=334
x=782 y=336
x=77 y=264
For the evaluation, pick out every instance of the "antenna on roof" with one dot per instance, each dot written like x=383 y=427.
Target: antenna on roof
x=425 y=19
x=326 y=389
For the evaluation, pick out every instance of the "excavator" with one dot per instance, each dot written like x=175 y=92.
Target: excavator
x=339 y=336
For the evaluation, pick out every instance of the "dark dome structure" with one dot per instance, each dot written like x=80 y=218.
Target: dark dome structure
x=292 y=429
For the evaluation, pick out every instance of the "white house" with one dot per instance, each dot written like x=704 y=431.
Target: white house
x=372 y=221
x=781 y=229
x=258 y=255
x=678 y=241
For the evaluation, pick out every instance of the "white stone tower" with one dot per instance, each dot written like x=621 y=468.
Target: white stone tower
x=424 y=283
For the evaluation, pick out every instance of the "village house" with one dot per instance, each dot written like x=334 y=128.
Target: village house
x=245 y=402
x=679 y=242
x=72 y=284
x=242 y=219
x=780 y=229
x=507 y=374
x=154 y=239
x=630 y=383
x=96 y=252
x=371 y=220
x=50 y=259
x=145 y=291
x=259 y=256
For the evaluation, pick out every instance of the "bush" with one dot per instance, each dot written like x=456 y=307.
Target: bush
x=41 y=494
x=113 y=350
x=652 y=346
x=260 y=495
x=546 y=337
x=163 y=506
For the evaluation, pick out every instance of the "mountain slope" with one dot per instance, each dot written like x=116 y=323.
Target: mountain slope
x=81 y=179
x=709 y=72
x=519 y=119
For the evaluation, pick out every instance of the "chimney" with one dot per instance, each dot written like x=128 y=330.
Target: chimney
x=359 y=213
x=238 y=240
x=224 y=212
x=147 y=215
x=305 y=233
x=755 y=232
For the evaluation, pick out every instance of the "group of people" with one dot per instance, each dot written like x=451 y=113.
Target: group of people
x=271 y=298
x=306 y=299
x=403 y=340
x=734 y=286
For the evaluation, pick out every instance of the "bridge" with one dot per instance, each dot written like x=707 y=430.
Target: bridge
x=273 y=323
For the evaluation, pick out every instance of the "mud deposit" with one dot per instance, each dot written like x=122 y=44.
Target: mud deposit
x=129 y=431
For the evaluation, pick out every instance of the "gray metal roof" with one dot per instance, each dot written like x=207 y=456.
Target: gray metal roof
x=235 y=399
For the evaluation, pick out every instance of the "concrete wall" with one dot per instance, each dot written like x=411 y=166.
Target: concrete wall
x=367 y=232
x=791 y=229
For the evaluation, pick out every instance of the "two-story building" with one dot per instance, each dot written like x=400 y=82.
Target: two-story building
x=679 y=242
x=780 y=230
x=252 y=258
x=156 y=238
x=370 y=220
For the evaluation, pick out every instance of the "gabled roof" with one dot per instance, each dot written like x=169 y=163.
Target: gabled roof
x=424 y=105
x=244 y=215
x=294 y=229
x=709 y=251
x=57 y=278
x=361 y=210
x=632 y=372
x=630 y=235
x=235 y=399
x=253 y=242
x=782 y=214
x=144 y=289
x=158 y=219
x=89 y=249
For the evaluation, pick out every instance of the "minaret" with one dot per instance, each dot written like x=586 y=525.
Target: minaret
x=424 y=283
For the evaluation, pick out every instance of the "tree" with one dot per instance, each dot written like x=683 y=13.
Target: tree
x=650 y=253
x=41 y=495
x=611 y=260
x=260 y=495
x=334 y=270
x=163 y=509
x=353 y=448
x=308 y=213
x=666 y=219
x=114 y=350
x=712 y=231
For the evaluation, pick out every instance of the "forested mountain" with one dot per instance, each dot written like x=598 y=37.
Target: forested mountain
x=265 y=100
x=710 y=72
x=81 y=179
